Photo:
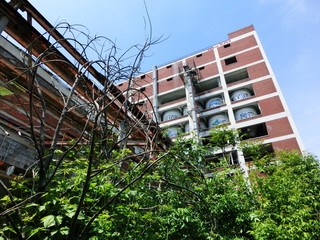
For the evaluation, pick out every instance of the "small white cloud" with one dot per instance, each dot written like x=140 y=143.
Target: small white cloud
x=293 y=12
x=288 y=6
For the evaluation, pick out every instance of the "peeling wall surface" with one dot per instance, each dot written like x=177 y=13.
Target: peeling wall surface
x=15 y=153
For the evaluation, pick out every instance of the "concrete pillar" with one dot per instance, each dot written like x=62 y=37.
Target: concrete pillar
x=224 y=88
x=242 y=163
x=122 y=133
x=231 y=116
x=191 y=103
x=4 y=20
x=156 y=116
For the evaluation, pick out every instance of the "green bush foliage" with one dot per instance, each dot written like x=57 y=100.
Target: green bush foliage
x=170 y=197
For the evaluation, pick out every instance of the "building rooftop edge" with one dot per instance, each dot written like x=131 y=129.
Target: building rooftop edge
x=231 y=35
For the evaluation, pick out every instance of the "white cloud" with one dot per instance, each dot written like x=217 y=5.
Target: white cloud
x=294 y=12
x=288 y=6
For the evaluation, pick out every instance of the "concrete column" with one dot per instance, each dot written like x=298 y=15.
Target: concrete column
x=4 y=20
x=156 y=116
x=242 y=163
x=122 y=133
x=232 y=120
x=224 y=88
x=191 y=103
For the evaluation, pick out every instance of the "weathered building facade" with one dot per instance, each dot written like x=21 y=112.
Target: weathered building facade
x=51 y=93
x=232 y=83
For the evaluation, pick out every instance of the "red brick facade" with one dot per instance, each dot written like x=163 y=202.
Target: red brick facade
x=249 y=70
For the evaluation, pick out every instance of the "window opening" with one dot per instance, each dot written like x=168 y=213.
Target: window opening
x=227 y=45
x=140 y=103
x=241 y=93
x=199 y=55
x=254 y=131
x=266 y=149
x=230 y=60
x=246 y=112
x=208 y=85
x=236 y=76
x=232 y=158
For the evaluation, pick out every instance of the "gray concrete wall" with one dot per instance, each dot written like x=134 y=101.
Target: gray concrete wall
x=15 y=153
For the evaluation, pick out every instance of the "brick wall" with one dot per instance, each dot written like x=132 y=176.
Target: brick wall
x=143 y=79
x=237 y=46
x=258 y=70
x=201 y=58
x=289 y=144
x=263 y=87
x=209 y=70
x=243 y=59
x=124 y=85
x=169 y=70
x=271 y=106
x=278 y=128
x=147 y=90
x=241 y=32
x=170 y=84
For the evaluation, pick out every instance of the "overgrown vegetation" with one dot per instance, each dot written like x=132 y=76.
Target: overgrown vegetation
x=171 y=199
x=97 y=187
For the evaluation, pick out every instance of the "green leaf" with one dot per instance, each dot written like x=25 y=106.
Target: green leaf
x=71 y=210
x=41 y=208
x=81 y=216
x=58 y=151
x=35 y=231
x=48 y=221
x=51 y=220
x=89 y=199
x=32 y=205
x=58 y=219
x=29 y=218
x=5 y=198
x=10 y=229
x=64 y=231
x=52 y=233
x=115 y=234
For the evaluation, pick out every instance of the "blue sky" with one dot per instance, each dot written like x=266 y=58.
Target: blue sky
x=288 y=29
